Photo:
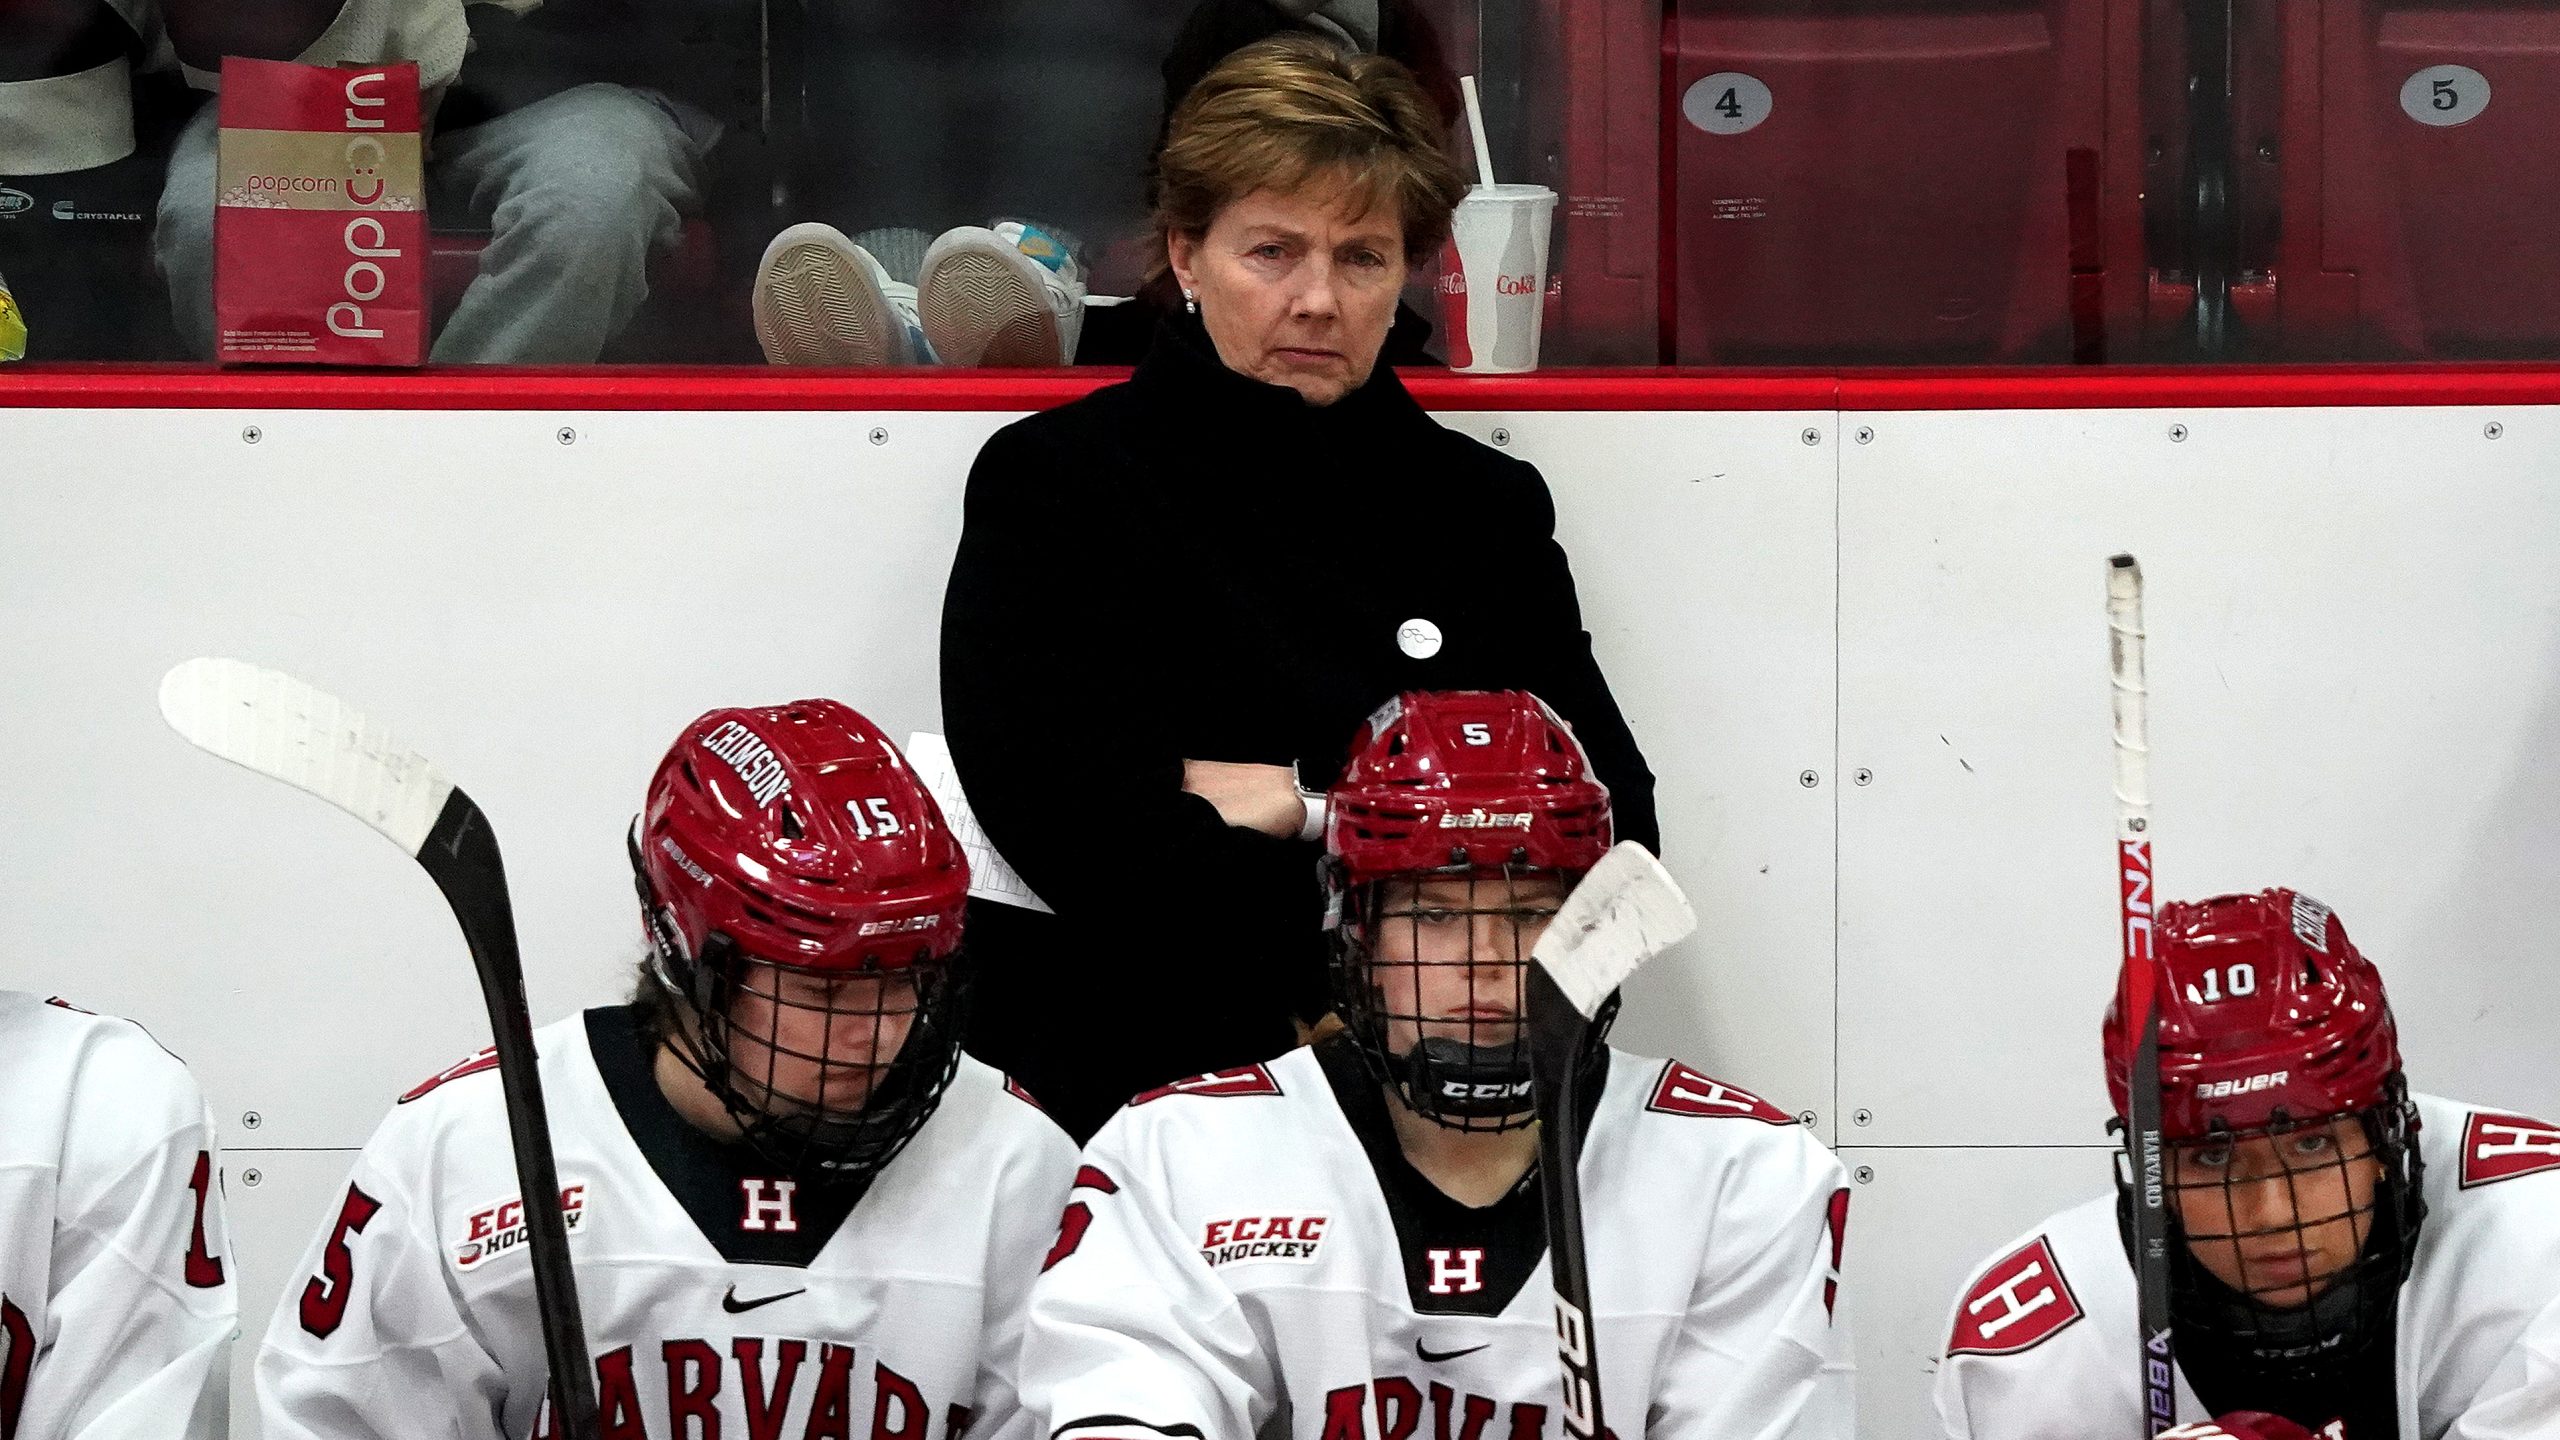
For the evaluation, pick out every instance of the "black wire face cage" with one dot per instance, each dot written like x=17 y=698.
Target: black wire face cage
x=2263 y=1218
x=834 y=1071
x=1443 y=1024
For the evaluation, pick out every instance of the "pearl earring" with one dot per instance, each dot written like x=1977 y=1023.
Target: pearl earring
x=1191 y=300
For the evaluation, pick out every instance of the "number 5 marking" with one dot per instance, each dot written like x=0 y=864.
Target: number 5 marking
x=324 y=1300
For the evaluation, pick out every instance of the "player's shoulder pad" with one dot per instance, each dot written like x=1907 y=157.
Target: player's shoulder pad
x=2498 y=1146
x=98 y=1024
x=485 y=1060
x=1682 y=1091
x=2019 y=1301
x=1242 y=1082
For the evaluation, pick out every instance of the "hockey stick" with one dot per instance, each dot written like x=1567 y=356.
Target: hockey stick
x=284 y=729
x=1623 y=913
x=2139 y=997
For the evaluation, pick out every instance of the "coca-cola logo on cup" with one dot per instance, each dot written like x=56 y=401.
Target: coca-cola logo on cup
x=1516 y=284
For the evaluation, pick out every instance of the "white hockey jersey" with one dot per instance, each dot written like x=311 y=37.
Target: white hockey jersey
x=720 y=1299
x=117 y=1304
x=1251 y=1248
x=2042 y=1343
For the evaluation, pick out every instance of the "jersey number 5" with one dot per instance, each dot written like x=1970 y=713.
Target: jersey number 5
x=1079 y=1216
x=324 y=1300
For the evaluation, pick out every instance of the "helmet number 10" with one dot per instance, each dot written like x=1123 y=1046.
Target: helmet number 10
x=880 y=822
x=2242 y=978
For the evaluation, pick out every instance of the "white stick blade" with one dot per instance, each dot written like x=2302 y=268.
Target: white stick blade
x=1625 y=912
x=281 y=727
x=2132 y=693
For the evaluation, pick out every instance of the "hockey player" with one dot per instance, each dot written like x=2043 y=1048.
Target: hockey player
x=1352 y=1236
x=117 y=1306
x=793 y=1205
x=2347 y=1258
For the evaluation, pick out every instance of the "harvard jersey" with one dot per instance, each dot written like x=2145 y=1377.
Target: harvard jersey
x=1251 y=1247
x=2043 y=1341
x=116 y=1301
x=719 y=1298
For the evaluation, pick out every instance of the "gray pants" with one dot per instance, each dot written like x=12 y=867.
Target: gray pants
x=578 y=191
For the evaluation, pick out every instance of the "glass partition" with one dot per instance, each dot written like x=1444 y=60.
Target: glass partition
x=1738 y=182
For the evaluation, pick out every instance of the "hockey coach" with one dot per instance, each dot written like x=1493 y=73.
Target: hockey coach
x=1174 y=598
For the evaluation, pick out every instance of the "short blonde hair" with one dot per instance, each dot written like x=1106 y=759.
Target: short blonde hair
x=1293 y=109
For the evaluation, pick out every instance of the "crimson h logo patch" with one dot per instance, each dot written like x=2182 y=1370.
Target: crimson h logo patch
x=2020 y=1302
x=769 y=1206
x=1457 y=1272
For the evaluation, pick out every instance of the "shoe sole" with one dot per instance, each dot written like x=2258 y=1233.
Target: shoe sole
x=813 y=308
x=978 y=309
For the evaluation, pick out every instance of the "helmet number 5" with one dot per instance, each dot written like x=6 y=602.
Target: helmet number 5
x=1477 y=733
x=881 y=821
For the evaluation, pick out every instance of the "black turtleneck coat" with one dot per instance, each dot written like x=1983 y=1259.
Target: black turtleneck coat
x=1197 y=565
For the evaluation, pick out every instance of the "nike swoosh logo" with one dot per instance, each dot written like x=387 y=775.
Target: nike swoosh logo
x=1434 y=1357
x=735 y=1306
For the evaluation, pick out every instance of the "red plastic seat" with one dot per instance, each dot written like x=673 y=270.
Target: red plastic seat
x=1931 y=181
x=2401 y=237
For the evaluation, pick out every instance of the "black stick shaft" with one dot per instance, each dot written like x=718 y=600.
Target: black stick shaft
x=461 y=853
x=1556 y=1031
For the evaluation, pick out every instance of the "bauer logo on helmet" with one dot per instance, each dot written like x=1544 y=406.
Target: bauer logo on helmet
x=683 y=861
x=907 y=926
x=1480 y=819
x=2246 y=1085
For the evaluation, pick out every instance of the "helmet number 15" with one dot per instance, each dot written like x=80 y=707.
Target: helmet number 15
x=879 y=822
x=2242 y=979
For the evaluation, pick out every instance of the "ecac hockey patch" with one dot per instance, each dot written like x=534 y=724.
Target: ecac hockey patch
x=1290 y=1238
x=2502 y=1147
x=496 y=1230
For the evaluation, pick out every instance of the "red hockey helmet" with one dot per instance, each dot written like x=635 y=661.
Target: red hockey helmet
x=1466 y=779
x=795 y=840
x=2268 y=1014
x=2273 y=1028
x=1447 y=836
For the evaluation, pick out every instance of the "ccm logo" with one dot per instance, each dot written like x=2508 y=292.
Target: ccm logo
x=1484 y=820
x=1489 y=1090
x=2225 y=1089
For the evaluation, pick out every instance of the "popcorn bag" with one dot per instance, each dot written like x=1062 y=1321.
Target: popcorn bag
x=320 y=241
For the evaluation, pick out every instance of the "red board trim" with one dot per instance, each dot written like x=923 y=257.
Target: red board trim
x=629 y=388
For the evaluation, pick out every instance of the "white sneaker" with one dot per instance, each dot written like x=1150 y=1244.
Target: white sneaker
x=820 y=299
x=1008 y=296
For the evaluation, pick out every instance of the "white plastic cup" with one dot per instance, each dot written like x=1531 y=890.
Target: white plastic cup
x=1493 y=284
